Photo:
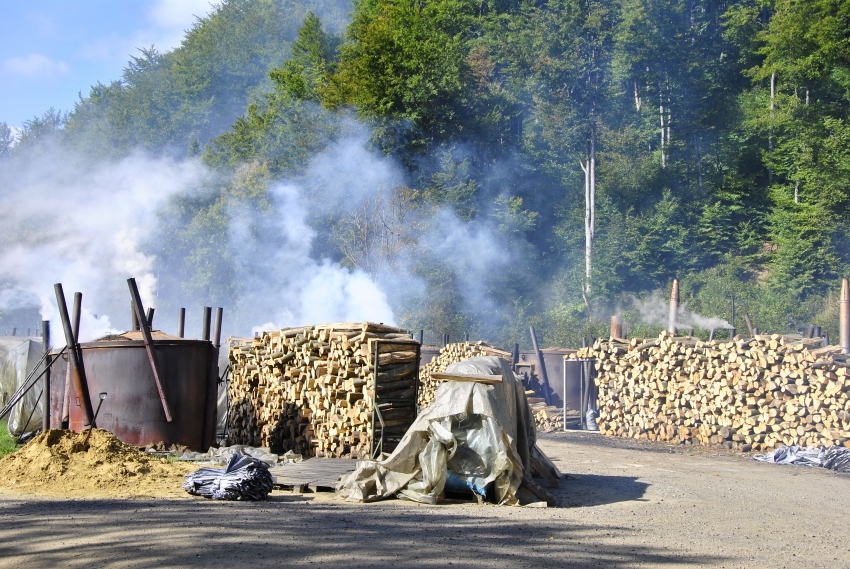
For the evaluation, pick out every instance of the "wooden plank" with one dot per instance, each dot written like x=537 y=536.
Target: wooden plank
x=314 y=472
x=482 y=378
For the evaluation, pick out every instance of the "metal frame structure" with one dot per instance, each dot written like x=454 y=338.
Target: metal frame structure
x=377 y=404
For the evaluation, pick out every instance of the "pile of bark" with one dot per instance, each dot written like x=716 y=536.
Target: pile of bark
x=750 y=394
x=449 y=354
x=314 y=391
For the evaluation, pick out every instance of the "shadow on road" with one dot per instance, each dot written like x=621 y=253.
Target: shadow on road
x=295 y=530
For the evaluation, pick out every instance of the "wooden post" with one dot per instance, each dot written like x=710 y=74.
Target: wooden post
x=616 y=326
x=844 y=317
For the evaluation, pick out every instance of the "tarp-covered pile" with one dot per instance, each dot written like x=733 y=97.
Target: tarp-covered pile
x=18 y=357
x=480 y=435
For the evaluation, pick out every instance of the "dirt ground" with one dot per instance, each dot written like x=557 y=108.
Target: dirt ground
x=625 y=504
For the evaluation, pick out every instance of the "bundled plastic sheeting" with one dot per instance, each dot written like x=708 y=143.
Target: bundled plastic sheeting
x=834 y=457
x=244 y=478
x=483 y=434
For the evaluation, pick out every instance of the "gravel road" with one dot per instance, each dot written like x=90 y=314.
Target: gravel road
x=625 y=504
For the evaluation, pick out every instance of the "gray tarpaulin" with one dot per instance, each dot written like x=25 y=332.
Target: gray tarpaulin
x=481 y=433
x=18 y=357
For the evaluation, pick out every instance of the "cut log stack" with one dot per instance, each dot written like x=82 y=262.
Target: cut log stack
x=314 y=390
x=449 y=354
x=547 y=418
x=749 y=394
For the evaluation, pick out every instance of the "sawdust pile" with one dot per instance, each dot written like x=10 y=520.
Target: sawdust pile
x=59 y=463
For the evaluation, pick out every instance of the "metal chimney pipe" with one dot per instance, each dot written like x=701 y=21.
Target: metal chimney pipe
x=421 y=336
x=149 y=316
x=45 y=402
x=711 y=334
x=134 y=320
x=674 y=307
x=733 y=331
x=205 y=335
x=219 y=312
x=181 y=323
x=844 y=317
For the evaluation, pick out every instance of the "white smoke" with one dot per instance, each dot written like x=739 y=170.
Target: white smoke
x=82 y=223
x=655 y=309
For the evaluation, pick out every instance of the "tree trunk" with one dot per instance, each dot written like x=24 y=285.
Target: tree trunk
x=772 y=106
x=637 y=97
x=588 y=233
x=661 y=114
x=699 y=161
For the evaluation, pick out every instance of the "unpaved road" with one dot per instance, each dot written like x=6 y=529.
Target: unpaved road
x=624 y=505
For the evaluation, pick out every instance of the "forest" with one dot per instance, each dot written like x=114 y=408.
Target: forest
x=608 y=146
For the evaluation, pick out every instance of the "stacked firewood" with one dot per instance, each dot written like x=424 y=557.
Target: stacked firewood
x=749 y=394
x=313 y=390
x=547 y=418
x=449 y=354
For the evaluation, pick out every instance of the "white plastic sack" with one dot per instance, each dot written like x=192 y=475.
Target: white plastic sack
x=18 y=357
x=482 y=433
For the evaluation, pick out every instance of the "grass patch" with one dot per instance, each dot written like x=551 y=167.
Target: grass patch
x=8 y=444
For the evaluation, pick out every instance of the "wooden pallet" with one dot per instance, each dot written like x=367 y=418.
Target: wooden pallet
x=312 y=475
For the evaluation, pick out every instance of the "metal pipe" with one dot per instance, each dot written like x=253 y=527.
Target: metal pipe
x=515 y=357
x=149 y=346
x=74 y=351
x=205 y=335
x=66 y=400
x=844 y=317
x=45 y=403
x=219 y=312
x=674 y=307
x=149 y=316
x=542 y=365
x=181 y=323
x=467 y=336
x=749 y=324
x=421 y=337
x=134 y=320
x=711 y=334
x=732 y=330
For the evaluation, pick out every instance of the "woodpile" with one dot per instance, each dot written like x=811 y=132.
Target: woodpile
x=315 y=391
x=449 y=354
x=749 y=394
x=547 y=418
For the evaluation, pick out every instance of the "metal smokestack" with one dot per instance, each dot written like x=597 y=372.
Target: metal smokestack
x=844 y=317
x=674 y=307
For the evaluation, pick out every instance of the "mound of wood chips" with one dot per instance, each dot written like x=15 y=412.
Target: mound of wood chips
x=64 y=463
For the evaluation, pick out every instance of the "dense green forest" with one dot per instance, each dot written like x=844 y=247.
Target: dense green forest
x=610 y=145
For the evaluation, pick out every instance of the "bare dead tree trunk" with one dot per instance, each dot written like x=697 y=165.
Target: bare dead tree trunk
x=661 y=114
x=772 y=106
x=637 y=97
x=588 y=235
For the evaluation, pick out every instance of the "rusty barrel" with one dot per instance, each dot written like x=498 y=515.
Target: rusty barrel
x=132 y=409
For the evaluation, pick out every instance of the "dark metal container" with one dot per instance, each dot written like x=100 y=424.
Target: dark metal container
x=132 y=409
